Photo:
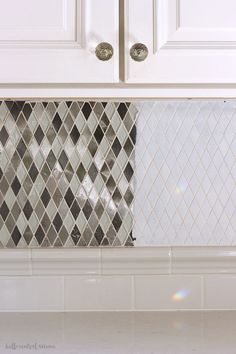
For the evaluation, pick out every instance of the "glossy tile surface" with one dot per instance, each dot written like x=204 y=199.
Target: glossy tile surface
x=98 y=293
x=119 y=333
x=168 y=292
x=66 y=173
x=31 y=293
x=220 y=292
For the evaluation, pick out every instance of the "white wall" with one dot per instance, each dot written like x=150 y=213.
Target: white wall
x=186 y=173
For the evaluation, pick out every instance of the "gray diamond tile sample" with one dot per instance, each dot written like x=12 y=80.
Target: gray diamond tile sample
x=66 y=174
x=3 y=136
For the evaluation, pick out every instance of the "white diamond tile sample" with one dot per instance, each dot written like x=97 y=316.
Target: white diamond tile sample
x=185 y=173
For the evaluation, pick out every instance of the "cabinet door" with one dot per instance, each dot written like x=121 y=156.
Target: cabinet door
x=189 y=41
x=54 y=41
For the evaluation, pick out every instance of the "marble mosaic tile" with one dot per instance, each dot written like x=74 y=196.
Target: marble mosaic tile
x=66 y=174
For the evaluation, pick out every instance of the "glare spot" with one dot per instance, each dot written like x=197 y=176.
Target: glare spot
x=91 y=280
x=180 y=295
x=181 y=188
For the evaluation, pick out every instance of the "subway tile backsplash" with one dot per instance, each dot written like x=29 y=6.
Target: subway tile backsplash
x=66 y=174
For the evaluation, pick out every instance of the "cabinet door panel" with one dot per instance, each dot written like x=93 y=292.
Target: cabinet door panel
x=189 y=41
x=54 y=41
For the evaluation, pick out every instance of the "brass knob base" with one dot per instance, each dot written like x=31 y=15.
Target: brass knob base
x=139 y=52
x=104 y=51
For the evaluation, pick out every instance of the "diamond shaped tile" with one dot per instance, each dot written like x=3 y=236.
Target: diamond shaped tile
x=66 y=178
x=185 y=173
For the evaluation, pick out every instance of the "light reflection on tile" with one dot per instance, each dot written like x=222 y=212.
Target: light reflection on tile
x=185 y=173
x=66 y=173
x=180 y=295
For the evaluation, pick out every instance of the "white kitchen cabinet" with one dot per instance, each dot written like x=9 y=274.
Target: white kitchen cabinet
x=189 y=41
x=54 y=41
x=48 y=48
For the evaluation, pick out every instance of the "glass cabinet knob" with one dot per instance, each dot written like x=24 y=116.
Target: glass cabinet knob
x=104 y=51
x=139 y=52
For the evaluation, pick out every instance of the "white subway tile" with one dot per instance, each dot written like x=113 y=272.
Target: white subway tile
x=66 y=261
x=15 y=262
x=220 y=292
x=136 y=260
x=163 y=292
x=31 y=294
x=98 y=293
x=203 y=260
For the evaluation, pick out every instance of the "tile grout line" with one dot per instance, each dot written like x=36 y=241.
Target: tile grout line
x=31 y=262
x=63 y=286
x=203 y=292
x=133 y=293
x=170 y=261
x=100 y=262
